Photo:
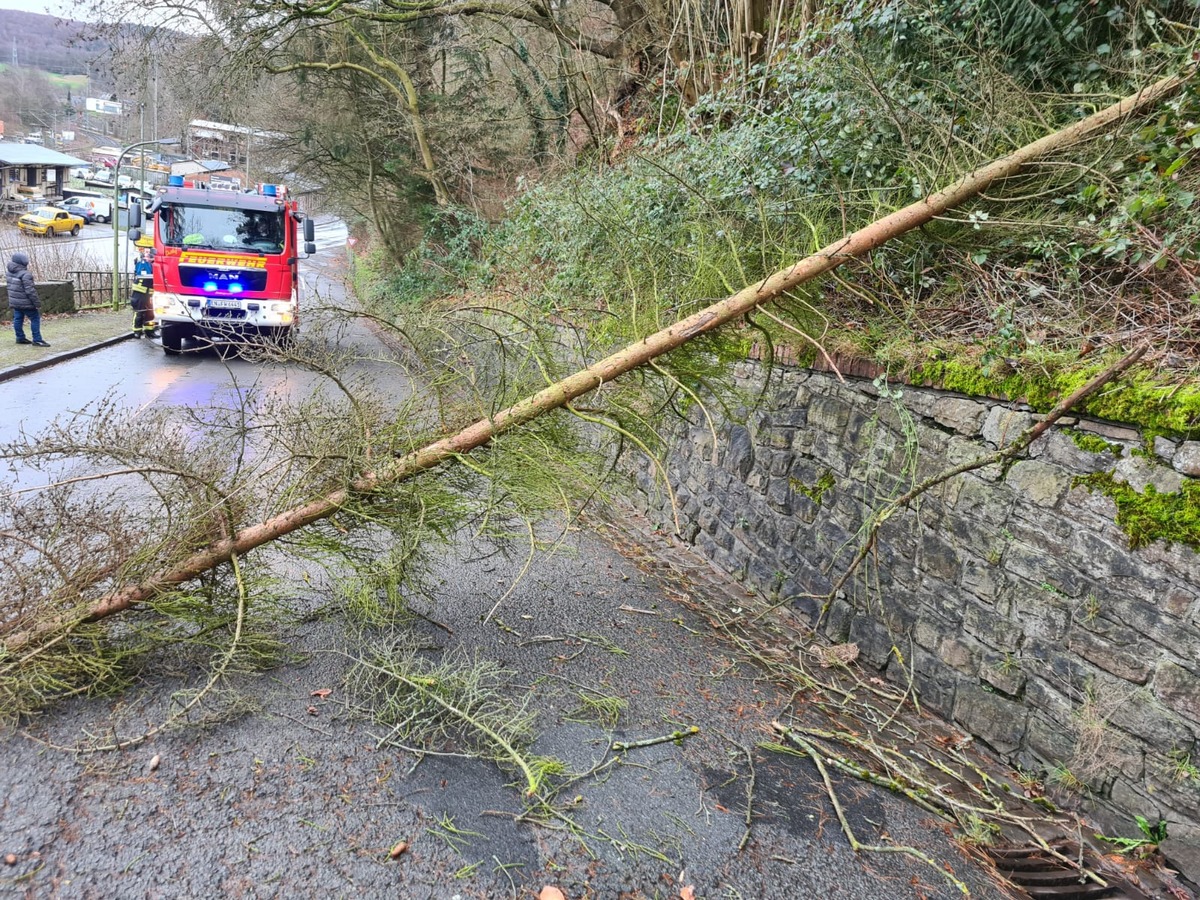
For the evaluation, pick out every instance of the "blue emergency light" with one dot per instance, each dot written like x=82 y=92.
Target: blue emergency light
x=233 y=287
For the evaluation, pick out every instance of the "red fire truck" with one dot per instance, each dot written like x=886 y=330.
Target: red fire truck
x=225 y=263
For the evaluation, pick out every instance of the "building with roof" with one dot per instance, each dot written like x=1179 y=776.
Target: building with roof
x=212 y=173
x=205 y=140
x=30 y=173
x=189 y=168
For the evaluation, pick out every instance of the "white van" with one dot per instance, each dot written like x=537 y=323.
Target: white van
x=100 y=206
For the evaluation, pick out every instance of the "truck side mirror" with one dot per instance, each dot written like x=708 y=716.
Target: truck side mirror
x=135 y=214
x=309 y=248
x=310 y=234
x=134 y=234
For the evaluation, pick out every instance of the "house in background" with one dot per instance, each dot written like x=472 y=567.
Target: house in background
x=29 y=173
x=215 y=173
x=220 y=141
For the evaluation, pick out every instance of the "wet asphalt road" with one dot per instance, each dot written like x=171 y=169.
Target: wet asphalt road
x=292 y=796
x=138 y=373
x=287 y=801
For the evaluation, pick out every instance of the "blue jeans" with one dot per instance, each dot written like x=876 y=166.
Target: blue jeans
x=35 y=323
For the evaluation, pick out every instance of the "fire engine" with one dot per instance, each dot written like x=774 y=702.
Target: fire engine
x=225 y=263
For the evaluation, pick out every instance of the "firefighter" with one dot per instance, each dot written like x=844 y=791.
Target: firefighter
x=140 y=293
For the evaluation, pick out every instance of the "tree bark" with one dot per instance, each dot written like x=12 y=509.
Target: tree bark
x=406 y=94
x=431 y=174
x=750 y=29
x=563 y=392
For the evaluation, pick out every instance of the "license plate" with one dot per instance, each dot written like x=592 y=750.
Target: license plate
x=219 y=303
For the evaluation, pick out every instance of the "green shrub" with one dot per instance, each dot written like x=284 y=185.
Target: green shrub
x=885 y=104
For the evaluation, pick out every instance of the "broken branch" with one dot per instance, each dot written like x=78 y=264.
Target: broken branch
x=676 y=736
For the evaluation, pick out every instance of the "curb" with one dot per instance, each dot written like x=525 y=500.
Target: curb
x=25 y=368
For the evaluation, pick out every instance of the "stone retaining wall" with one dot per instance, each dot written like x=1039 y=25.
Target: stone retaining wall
x=56 y=297
x=1013 y=595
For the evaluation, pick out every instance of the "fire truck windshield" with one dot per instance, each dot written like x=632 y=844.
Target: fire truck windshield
x=219 y=228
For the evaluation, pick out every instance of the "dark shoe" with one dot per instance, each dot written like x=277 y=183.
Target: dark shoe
x=40 y=344
x=23 y=341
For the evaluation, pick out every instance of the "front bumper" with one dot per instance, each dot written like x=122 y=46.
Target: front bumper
x=200 y=316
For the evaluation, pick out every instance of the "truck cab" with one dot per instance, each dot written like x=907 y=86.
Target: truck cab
x=225 y=264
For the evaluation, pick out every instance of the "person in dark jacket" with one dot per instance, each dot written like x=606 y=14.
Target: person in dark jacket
x=23 y=300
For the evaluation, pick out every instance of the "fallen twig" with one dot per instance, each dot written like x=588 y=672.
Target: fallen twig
x=855 y=845
x=749 y=801
x=676 y=736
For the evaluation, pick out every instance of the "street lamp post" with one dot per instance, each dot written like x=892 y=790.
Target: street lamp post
x=116 y=283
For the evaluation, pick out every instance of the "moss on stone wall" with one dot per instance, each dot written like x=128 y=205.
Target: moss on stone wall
x=1093 y=443
x=1139 y=398
x=816 y=491
x=1151 y=516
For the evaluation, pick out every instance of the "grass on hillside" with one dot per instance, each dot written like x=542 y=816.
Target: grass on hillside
x=74 y=82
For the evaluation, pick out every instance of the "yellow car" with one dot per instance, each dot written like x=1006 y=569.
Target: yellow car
x=48 y=221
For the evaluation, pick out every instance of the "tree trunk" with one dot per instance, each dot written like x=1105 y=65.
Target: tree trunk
x=750 y=28
x=620 y=363
x=412 y=103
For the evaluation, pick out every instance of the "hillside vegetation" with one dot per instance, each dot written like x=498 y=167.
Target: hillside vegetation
x=856 y=113
x=57 y=46
x=56 y=62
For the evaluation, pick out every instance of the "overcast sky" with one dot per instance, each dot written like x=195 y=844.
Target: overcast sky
x=64 y=9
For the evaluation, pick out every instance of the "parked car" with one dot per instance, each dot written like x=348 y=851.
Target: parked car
x=49 y=221
x=86 y=213
x=101 y=207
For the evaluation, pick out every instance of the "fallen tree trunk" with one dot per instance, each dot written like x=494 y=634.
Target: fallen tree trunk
x=563 y=392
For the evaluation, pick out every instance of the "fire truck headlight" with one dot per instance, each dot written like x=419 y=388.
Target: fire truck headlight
x=168 y=304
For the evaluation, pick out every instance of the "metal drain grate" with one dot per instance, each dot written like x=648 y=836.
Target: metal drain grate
x=1044 y=877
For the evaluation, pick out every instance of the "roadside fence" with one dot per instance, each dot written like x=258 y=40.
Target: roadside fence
x=94 y=288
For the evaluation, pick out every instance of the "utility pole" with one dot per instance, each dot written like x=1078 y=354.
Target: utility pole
x=142 y=182
x=155 y=128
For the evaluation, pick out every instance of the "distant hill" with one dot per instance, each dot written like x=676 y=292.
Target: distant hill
x=57 y=46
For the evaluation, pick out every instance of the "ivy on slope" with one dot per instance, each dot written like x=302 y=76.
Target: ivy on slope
x=884 y=103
